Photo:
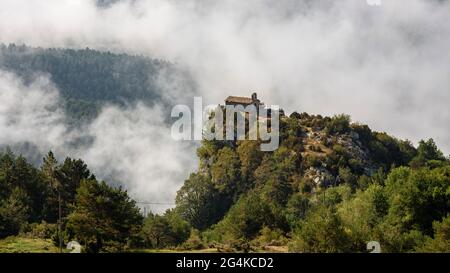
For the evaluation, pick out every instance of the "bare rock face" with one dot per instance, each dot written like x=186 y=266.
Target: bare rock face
x=320 y=146
x=320 y=176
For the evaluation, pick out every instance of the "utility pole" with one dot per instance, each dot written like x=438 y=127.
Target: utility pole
x=59 y=222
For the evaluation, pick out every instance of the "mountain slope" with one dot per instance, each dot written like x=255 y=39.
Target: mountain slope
x=88 y=78
x=331 y=186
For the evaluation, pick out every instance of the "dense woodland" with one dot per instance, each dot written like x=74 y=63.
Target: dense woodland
x=332 y=186
x=88 y=79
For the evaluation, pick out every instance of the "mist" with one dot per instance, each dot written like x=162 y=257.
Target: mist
x=129 y=147
x=387 y=66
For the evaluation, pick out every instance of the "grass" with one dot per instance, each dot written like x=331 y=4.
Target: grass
x=15 y=244
x=267 y=249
x=149 y=250
x=18 y=244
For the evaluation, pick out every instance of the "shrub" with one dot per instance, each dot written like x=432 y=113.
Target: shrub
x=42 y=230
x=270 y=236
x=320 y=232
x=312 y=161
x=194 y=242
x=441 y=240
x=339 y=124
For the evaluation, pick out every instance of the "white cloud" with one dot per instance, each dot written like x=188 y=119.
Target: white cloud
x=130 y=146
x=134 y=146
x=386 y=65
x=30 y=113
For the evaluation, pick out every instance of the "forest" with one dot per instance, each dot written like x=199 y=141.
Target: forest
x=88 y=79
x=332 y=186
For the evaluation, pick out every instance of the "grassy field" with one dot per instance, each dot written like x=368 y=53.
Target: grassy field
x=267 y=249
x=26 y=245
x=17 y=244
x=206 y=250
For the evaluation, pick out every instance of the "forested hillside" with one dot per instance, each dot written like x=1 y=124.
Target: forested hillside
x=87 y=79
x=332 y=186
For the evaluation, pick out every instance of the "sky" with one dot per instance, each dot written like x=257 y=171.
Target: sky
x=387 y=66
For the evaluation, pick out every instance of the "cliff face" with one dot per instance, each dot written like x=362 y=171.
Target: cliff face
x=322 y=146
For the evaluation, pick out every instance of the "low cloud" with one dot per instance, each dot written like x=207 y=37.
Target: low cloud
x=134 y=146
x=130 y=147
x=385 y=65
x=30 y=113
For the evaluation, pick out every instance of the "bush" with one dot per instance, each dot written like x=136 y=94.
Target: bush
x=312 y=161
x=268 y=236
x=42 y=230
x=306 y=185
x=297 y=208
x=339 y=124
x=246 y=218
x=320 y=232
x=441 y=240
x=194 y=242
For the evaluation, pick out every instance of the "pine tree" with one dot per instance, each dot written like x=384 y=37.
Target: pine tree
x=104 y=218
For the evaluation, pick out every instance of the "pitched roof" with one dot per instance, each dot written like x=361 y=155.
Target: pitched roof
x=243 y=100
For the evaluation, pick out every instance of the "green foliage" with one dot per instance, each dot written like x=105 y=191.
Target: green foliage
x=321 y=231
x=397 y=210
x=13 y=212
x=361 y=214
x=268 y=236
x=225 y=172
x=16 y=244
x=250 y=157
x=168 y=230
x=62 y=181
x=297 y=208
x=312 y=161
x=428 y=150
x=194 y=242
x=246 y=218
x=418 y=197
x=70 y=175
x=200 y=203
x=181 y=229
x=16 y=172
x=389 y=151
x=441 y=240
x=88 y=78
x=333 y=196
x=395 y=240
x=428 y=154
x=104 y=218
x=241 y=198
x=347 y=176
x=41 y=230
x=338 y=124
x=385 y=150
x=276 y=190
x=207 y=152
